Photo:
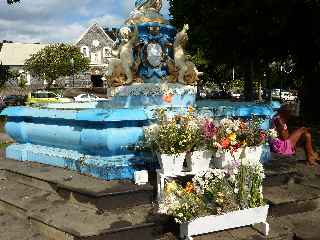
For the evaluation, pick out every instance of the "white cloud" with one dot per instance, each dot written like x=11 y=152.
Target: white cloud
x=108 y=20
x=60 y=20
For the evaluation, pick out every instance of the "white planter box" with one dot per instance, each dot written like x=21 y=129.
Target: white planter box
x=200 y=161
x=171 y=163
x=224 y=159
x=230 y=220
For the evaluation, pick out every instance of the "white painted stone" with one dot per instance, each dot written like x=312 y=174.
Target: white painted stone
x=141 y=177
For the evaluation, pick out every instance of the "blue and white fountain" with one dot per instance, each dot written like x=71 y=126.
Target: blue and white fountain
x=150 y=71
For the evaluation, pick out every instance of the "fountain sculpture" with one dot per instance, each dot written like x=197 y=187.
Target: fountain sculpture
x=149 y=70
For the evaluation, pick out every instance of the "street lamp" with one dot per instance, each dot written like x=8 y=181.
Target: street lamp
x=286 y=68
x=72 y=64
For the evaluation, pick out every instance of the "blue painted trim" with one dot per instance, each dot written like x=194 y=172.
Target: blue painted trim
x=108 y=168
x=81 y=124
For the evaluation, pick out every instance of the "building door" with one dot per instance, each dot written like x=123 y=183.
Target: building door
x=97 y=80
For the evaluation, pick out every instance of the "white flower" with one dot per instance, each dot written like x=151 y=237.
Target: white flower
x=193 y=124
x=272 y=133
x=228 y=130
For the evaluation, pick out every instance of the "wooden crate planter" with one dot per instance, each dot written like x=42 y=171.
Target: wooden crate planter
x=229 y=220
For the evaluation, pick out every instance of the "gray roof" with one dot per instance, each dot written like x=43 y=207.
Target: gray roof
x=15 y=54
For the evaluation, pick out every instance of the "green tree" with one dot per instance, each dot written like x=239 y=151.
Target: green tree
x=251 y=34
x=12 y=1
x=54 y=61
x=236 y=33
x=5 y=75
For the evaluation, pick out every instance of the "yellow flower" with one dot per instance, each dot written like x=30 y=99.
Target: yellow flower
x=190 y=109
x=232 y=137
x=171 y=187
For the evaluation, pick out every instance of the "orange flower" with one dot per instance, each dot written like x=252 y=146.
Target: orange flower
x=190 y=109
x=242 y=125
x=189 y=188
x=225 y=143
x=167 y=98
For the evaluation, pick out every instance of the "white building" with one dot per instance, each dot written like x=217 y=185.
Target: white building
x=96 y=45
x=15 y=54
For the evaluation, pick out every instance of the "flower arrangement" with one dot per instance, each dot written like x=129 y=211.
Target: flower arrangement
x=230 y=135
x=182 y=133
x=172 y=135
x=214 y=192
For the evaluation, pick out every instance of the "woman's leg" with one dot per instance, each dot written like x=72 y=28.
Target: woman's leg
x=296 y=135
x=304 y=133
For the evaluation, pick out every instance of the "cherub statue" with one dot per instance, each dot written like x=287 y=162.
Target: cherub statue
x=124 y=54
x=186 y=70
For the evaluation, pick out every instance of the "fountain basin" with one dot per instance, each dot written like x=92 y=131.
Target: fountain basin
x=97 y=141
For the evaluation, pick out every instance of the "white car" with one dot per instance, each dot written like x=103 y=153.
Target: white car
x=85 y=97
x=235 y=95
x=287 y=96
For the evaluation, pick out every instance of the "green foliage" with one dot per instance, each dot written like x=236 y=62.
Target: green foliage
x=4 y=75
x=12 y=1
x=250 y=34
x=172 y=135
x=54 y=61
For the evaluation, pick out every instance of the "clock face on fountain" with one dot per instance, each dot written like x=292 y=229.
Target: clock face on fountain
x=154 y=54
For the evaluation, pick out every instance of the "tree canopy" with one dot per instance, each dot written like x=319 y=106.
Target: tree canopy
x=251 y=34
x=55 y=61
x=12 y=1
x=5 y=75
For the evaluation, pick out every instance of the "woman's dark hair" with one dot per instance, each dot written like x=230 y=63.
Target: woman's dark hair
x=285 y=110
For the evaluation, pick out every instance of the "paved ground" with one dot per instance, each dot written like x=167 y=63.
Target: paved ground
x=292 y=187
x=12 y=228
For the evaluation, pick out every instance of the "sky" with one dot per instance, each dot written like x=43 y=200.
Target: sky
x=49 y=21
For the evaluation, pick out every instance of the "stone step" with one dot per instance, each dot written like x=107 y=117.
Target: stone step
x=13 y=228
x=300 y=226
x=291 y=198
x=59 y=219
x=78 y=188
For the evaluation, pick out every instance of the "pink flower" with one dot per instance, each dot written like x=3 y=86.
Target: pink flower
x=209 y=130
x=263 y=136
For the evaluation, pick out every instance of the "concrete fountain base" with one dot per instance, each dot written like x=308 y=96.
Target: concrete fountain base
x=100 y=139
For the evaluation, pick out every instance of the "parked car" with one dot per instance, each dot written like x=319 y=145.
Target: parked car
x=288 y=96
x=236 y=95
x=220 y=95
x=85 y=97
x=46 y=97
x=285 y=95
x=14 y=100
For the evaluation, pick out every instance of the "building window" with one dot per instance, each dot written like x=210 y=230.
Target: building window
x=95 y=43
x=106 y=52
x=96 y=57
x=85 y=51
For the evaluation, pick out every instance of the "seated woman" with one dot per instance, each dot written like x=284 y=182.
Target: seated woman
x=286 y=142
